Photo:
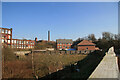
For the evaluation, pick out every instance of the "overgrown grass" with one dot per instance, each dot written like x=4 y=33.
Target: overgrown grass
x=14 y=67
x=50 y=66
x=45 y=63
x=8 y=54
x=86 y=66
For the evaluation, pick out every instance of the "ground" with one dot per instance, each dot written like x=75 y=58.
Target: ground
x=50 y=66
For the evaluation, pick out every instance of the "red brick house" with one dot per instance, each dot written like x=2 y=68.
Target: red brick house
x=64 y=44
x=86 y=45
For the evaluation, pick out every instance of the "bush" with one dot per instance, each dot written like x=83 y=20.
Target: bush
x=8 y=54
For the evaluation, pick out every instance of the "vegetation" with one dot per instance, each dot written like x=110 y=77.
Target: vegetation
x=8 y=54
x=45 y=63
x=44 y=45
x=81 y=71
x=14 y=67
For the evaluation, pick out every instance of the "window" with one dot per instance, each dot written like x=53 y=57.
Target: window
x=12 y=41
x=24 y=42
x=86 y=48
x=2 y=40
x=9 y=36
x=58 y=46
x=8 y=41
x=9 y=32
x=66 y=43
x=20 y=42
x=66 y=46
x=6 y=31
x=14 y=46
x=2 y=30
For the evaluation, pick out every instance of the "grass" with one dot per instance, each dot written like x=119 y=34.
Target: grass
x=50 y=66
x=86 y=67
x=45 y=63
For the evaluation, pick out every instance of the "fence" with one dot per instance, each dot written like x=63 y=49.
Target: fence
x=64 y=52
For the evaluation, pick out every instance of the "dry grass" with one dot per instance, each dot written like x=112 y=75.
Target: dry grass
x=43 y=63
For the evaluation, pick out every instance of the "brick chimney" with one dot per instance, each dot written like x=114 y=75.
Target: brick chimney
x=48 y=36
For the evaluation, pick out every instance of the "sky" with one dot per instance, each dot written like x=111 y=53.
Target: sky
x=65 y=20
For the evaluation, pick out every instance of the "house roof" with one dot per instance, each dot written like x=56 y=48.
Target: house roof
x=64 y=41
x=86 y=42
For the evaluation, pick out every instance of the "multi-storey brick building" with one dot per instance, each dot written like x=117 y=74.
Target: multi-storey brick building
x=6 y=36
x=15 y=43
x=22 y=44
x=64 y=44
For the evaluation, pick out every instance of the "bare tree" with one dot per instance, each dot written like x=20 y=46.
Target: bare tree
x=91 y=37
x=107 y=36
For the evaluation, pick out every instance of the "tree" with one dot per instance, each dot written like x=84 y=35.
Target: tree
x=107 y=36
x=91 y=37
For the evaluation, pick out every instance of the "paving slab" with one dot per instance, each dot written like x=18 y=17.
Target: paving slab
x=108 y=67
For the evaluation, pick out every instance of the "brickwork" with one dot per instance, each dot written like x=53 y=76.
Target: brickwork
x=6 y=36
x=15 y=43
x=23 y=44
x=86 y=45
x=64 y=44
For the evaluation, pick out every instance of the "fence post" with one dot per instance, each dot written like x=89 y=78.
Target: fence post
x=32 y=62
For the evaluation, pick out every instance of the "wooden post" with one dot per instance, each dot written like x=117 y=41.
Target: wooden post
x=32 y=62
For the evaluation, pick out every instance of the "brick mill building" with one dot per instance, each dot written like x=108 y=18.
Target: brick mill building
x=64 y=44
x=86 y=45
x=6 y=36
x=7 y=40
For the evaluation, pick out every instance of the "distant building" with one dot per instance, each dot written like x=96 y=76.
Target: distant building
x=6 y=36
x=64 y=44
x=15 y=43
x=23 y=44
x=86 y=45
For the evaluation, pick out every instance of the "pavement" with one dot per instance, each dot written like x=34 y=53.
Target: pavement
x=108 y=67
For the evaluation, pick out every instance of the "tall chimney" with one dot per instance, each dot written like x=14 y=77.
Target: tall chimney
x=48 y=36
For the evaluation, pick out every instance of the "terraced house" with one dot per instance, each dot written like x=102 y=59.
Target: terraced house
x=64 y=44
x=15 y=43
